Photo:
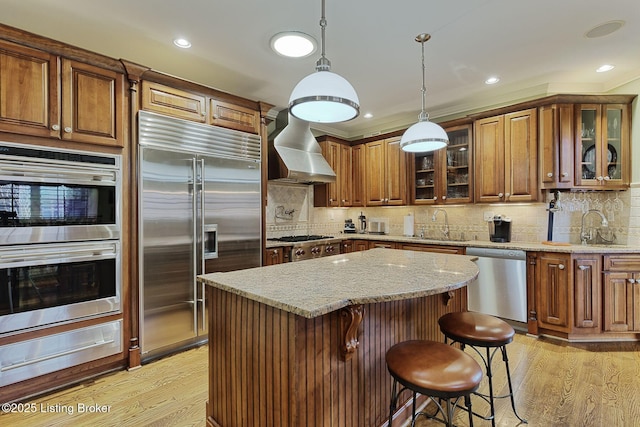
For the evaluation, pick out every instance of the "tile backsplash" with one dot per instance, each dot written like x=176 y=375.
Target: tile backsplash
x=529 y=221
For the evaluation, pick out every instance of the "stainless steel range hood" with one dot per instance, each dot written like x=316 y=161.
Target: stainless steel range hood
x=294 y=154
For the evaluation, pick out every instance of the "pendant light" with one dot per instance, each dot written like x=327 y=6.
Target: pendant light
x=324 y=97
x=424 y=136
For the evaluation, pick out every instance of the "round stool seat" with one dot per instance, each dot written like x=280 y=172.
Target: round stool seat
x=434 y=369
x=476 y=329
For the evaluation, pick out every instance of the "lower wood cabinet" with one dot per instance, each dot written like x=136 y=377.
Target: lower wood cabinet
x=621 y=293
x=584 y=297
x=273 y=256
x=441 y=249
x=553 y=291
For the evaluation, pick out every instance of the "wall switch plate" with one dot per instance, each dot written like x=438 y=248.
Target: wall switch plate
x=487 y=216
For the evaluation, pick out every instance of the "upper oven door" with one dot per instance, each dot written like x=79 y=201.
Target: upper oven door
x=58 y=196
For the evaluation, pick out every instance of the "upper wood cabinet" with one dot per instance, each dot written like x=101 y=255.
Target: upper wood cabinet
x=602 y=146
x=505 y=158
x=584 y=142
x=444 y=176
x=233 y=116
x=49 y=96
x=347 y=190
x=173 y=102
x=556 y=143
x=197 y=107
x=386 y=173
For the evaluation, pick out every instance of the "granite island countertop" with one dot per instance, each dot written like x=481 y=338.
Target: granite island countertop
x=319 y=286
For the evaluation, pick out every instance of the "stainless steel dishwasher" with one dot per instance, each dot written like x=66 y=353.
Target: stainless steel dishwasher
x=501 y=286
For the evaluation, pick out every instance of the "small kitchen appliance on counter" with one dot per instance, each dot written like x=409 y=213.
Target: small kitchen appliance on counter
x=349 y=226
x=500 y=229
x=378 y=225
x=363 y=223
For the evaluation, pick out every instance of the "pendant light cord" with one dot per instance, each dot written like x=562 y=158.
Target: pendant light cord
x=323 y=63
x=423 y=113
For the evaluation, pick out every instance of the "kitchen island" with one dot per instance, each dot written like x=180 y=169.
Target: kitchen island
x=303 y=344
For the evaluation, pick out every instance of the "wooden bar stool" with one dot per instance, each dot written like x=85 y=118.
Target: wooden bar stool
x=478 y=330
x=436 y=370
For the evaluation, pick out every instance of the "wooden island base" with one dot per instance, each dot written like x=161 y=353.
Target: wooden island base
x=269 y=367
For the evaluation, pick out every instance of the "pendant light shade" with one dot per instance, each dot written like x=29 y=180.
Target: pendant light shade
x=324 y=97
x=423 y=136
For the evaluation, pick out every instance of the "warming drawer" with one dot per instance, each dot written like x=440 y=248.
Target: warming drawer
x=32 y=358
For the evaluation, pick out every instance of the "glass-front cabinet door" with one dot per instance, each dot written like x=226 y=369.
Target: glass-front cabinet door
x=443 y=176
x=603 y=145
x=458 y=164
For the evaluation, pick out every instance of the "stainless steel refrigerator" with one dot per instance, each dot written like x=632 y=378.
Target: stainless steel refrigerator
x=199 y=211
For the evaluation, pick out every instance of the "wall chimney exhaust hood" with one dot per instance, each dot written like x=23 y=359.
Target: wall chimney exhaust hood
x=294 y=154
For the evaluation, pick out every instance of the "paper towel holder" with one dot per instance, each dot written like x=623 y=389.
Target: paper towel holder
x=409 y=223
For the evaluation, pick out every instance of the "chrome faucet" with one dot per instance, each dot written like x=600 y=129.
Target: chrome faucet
x=587 y=235
x=445 y=229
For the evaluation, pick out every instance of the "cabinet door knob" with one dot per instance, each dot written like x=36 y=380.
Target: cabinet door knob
x=507 y=195
x=435 y=197
x=582 y=267
x=600 y=178
x=444 y=197
x=55 y=127
x=565 y=174
x=550 y=175
x=607 y=178
x=67 y=129
x=632 y=280
x=561 y=266
x=500 y=195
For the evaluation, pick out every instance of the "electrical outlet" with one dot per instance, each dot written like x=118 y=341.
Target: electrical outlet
x=487 y=216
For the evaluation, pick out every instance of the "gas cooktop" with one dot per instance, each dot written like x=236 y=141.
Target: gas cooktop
x=296 y=239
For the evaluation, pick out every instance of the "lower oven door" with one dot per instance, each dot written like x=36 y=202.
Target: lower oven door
x=51 y=283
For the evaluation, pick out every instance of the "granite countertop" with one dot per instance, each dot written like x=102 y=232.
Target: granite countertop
x=318 y=286
x=524 y=246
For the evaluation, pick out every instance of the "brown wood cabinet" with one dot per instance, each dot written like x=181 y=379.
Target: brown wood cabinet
x=442 y=249
x=556 y=137
x=173 y=102
x=386 y=173
x=233 y=116
x=602 y=146
x=49 y=96
x=383 y=244
x=193 y=106
x=587 y=293
x=553 y=291
x=273 y=256
x=621 y=293
x=340 y=157
x=505 y=158
x=444 y=176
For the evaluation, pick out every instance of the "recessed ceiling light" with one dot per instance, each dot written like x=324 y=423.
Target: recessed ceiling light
x=293 y=44
x=604 y=68
x=182 y=43
x=367 y=115
x=604 y=29
x=492 y=80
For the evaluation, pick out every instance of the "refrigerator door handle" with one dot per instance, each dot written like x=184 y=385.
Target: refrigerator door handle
x=206 y=234
x=194 y=210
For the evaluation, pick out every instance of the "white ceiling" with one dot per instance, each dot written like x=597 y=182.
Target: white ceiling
x=536 y=47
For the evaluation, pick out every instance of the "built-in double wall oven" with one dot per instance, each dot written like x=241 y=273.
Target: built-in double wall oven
x=60 y=255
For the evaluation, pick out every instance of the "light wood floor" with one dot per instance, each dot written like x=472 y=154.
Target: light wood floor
x=556 y=385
